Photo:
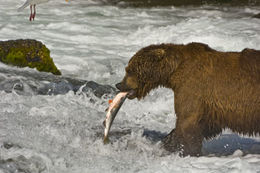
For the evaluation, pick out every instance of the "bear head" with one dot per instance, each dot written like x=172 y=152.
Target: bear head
x=149 y=68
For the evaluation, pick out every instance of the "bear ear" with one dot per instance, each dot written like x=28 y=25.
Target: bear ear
x=158 y=54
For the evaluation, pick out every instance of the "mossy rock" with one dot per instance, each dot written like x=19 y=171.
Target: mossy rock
x=27 y=53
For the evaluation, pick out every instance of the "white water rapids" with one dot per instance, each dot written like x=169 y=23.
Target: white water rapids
x=63 y=133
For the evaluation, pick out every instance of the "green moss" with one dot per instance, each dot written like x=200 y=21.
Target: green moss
x=27 y=53
x=15 y=58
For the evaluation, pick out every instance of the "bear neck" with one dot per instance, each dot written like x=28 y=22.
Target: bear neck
x=171 y=76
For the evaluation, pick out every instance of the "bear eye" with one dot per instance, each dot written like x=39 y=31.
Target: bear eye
x=128 y=71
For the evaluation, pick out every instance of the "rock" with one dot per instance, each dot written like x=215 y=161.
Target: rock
x=33 y=164
x=151 y=3
x=29 y=82
x=27 y=53
x=257 y=16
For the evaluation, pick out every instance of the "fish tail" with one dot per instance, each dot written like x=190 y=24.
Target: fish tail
x=106 y=140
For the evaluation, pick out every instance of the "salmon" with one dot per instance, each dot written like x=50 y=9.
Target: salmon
x=112 y=111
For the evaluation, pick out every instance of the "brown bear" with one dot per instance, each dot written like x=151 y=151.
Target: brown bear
x=213 y=90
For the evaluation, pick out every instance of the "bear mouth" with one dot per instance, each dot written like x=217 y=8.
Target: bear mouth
x=131 y=94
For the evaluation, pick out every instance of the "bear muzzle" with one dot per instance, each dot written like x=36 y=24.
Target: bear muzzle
x=123 y=88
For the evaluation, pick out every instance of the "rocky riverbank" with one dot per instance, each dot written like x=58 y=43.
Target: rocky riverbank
x=151 y=3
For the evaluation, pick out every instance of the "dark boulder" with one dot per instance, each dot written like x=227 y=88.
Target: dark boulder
x=29 y=82
x=257 y=16
x=151 y=3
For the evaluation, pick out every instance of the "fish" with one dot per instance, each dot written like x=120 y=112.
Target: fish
x=112 y=111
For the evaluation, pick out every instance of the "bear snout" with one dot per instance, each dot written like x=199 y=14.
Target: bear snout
x=123 y=87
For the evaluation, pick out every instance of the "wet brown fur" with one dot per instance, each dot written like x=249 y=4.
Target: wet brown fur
x=213 y=90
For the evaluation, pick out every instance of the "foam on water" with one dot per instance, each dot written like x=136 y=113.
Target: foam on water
x=63 y=133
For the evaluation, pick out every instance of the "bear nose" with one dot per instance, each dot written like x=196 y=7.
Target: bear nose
x=119 y=86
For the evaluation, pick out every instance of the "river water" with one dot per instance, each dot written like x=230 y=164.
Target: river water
x=63 y=133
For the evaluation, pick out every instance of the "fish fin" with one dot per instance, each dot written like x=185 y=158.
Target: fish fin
x=104 y=123
x=26 y=4
x=106 y=109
